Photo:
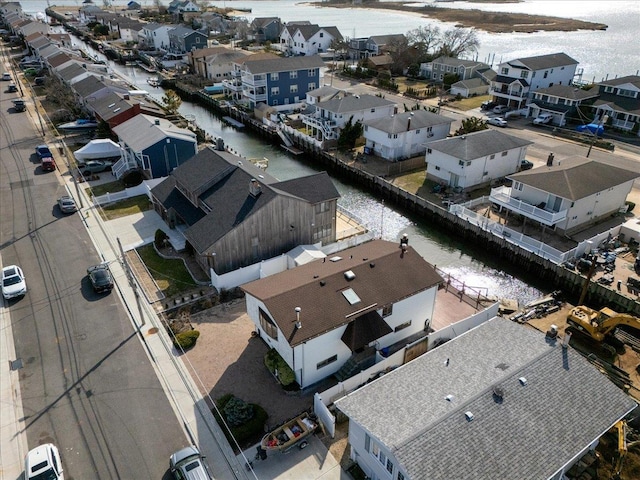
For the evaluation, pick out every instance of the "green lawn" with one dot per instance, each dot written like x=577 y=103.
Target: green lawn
x=170 y=274
x=125 y=207
x=111 y=187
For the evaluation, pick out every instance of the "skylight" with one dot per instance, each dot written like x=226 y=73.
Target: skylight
x=351 y=296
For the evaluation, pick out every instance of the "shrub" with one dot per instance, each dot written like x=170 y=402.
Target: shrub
x=186 y=340
x=251 y=430
x=237 y=412
x=160 y=238
x=275 y=363
x=632 y=205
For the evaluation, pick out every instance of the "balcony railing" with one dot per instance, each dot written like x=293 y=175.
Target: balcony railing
x=329 y=128
x=508 y=93
x=232 y=85
x=502 y=196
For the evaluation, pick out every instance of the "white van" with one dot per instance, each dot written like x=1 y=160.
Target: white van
x=543 y=119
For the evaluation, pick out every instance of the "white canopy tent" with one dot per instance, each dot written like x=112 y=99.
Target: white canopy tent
x=100 y=148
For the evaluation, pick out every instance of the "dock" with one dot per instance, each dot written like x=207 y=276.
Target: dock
x=294 y=150
x=233 y=122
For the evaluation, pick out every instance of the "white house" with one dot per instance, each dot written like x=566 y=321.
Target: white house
x=323 y=93
x=156 y=36
x=306 y=39
x=568 y=196
x=404 y=135
x=560 y=101
x=359 y=301
x=215 y=63
x=331 y=115
x=518 y=79
x=620 y=100
x=500 y=401
x=474 y=159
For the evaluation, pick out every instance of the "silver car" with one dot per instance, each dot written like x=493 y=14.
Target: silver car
x=67 y=204
x=187 y=464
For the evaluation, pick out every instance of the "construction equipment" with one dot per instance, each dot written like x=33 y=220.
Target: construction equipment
x=599 y=323
x=620 y=429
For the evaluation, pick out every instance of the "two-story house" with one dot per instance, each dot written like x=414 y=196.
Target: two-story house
x=518 y=79
x=182 y=6
x=569 y=196
x=619 y=99
x=474 y=159
x=330 y=116
x=155 y=36
x=235 y=215
x=441 y=66
x=265 y=29
x=273 y=80
x=499 y=401
x=183 y=39
x=405 y=135
x=365 y=47
x=116 y=108
x=215 y=63
x=561 y=101
x=307 y=39
x=320 y=314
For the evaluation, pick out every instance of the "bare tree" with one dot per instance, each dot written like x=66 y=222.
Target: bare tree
x=458 y=41
x=425 y=40
x=401 y=53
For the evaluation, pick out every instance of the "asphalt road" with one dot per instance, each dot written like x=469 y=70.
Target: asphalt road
x=87 y=384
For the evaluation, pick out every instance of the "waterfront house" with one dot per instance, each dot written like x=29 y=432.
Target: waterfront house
x=323 y=93
x=183 y=39
x=182 y=6
x=215 y=63
x=9 y=8
x=366 y=47
x=404 y=135
x=273 y=80
x=115 y=108
x=499 y=401
x=562 y=102
x=235 y=215
x=352 y=304
x=155 y=36
x=34 y=27
x=474 y=159
x=153 y=145
x=569 y=195
x=518 y=79
x=307 y=39
x=619 y=99
x=59 y=61
x=92 y=88
x=438 y=68
x=330 y=116
x=265 y=29
x=72 y=73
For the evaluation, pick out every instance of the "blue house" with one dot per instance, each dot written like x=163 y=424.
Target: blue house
x=184 y=40
x=274 y=80
x=154 y=145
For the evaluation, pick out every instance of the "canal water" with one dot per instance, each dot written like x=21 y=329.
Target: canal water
x=473 y=267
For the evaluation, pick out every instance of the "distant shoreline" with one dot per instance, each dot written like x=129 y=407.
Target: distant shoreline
x=492 y=22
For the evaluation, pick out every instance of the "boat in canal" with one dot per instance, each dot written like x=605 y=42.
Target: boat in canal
x=79 y=124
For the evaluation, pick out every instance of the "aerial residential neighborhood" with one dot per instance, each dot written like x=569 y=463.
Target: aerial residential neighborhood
x=238 y=246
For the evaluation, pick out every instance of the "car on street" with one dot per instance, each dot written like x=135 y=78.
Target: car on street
x=94 y=166
x=100 y=278
x=12 y=88
x=43 y=463
x=543 y=119
x=67 y=204
x=6 y=76
x=497 y=122
x=43 y=151
x=19 y=105
x=187 y=464
x=500 y=109
x=488 y=105
x=13 y=282
x=526 y=165
x=48 y=164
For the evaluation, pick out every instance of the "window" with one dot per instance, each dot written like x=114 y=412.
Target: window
x=626 y=93
x=524 y=74
x=504 y=154
x=293 y=89
x=322 y=207
x=326 y=362
x=367 y=442
x=267 y=325
x=275 y=90
x=417 y=131
x=311 y=86
x=428 y=151
x=437 y=167
x=387 y=310
x=274 y=76
x=546 y=74
x=275 y=102
x=461 y=163
x=504 y=70
x=492 y=157
x=311 y=72
x=293 y=74
x=389 y=466
x=400 y=476
x=468 y=164
x=402 y=326
x=373 y=110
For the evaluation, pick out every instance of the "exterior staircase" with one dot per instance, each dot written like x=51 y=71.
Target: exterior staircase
x=357 y=363
x=122 y=166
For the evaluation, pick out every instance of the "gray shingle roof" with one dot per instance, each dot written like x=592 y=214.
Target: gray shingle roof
x=471 y=83
x=458 y=62
x=568 y=91
x=385 y=39
x=478 y=144
x=531 y=433
x=541 y=62
x=615 y=82
x=71 y=72
x=575 y=178
x=89 y=85
x=257 y=65
x=382 y=276
x=406 y=121
x=353 y=103
x=141 y=132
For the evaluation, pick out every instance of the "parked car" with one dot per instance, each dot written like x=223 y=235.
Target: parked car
x=67 y=204
x=500 y=109
x=43 y=463
x=187 y=464
x=19 y=105
x=13 y=282
x=48 y=164
x=39 y=81
x=543 y=119
x=43 y=151
x=94 y=166
x=488 y=105
x=497 y=121
x=12 y=88
x=31 y=71
x=100 y=277
x=6 y=76
x=526 y=164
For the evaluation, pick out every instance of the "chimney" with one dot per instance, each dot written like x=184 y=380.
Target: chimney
x=126 y=96
x=254 y=188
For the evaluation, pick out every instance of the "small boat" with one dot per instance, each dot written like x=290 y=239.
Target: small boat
x=291 y=433
x=154 y=82
x=80 y=124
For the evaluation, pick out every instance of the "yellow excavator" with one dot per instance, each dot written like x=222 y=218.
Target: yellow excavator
x=599 y=323
x=620 y=429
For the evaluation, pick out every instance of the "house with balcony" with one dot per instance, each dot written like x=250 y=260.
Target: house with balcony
x=619 y=99
x=155 y=36
x=561 y=101
x=235 y=215
x=438 y=68
x=475 y=159
x=320 y=315
x=273 y=80
x=405 y=135
x=307 y=39
x=365 y=47
x=517 y=80
x=183 y=39
x=498 y=401
x=569 y=196
x=182 y=6
x=330 y=116
x=215 y=63
x=153 y=145
x=265 y=29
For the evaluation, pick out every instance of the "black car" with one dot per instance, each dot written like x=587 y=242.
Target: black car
x=488 y=105
x=100 y=277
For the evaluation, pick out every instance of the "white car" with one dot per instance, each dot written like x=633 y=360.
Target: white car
x=500 y=109
x=542 y=119
x=497 y=121
x=43 y=463
x=13 y=282
x=6 y=76
x=187 y=464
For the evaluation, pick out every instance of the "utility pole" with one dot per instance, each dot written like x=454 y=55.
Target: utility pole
x=587 y=280
x=603 y=120
x=132 y=284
